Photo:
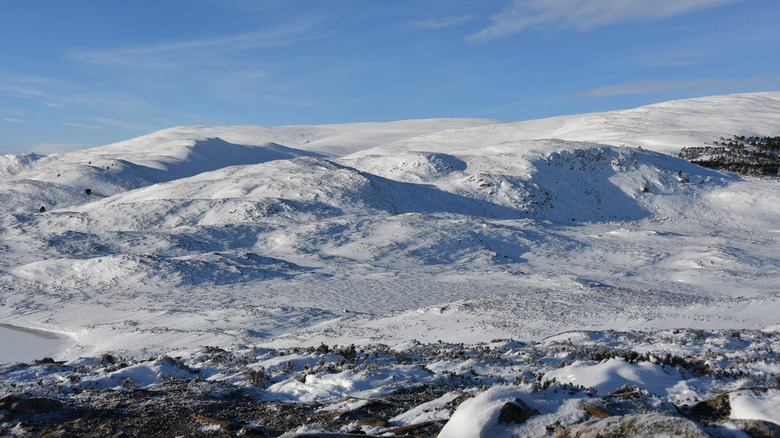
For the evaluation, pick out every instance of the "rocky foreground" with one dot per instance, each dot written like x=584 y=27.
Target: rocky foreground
x=579 y=384
x=172 y=410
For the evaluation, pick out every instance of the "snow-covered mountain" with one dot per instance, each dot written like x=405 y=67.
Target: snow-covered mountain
x=421 y=212
x=454 y=230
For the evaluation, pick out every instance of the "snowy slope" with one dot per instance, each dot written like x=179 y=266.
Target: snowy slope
x=31 y=181
x=665 y=127
x=378 y=233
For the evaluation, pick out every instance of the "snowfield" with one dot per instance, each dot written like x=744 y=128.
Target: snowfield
x=555 y=266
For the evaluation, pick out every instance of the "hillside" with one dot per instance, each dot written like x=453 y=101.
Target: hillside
x=410 y=236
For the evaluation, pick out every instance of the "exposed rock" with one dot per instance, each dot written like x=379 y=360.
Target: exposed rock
x=322 y=435
x=415 y=428
x=596 y=411
x=641 y=425
x=516 y=412
x=373 y=422
x=61 y=433
x=23 y=405
x=251 y=431
x=225 y=425
x=758 y=428
x=709 y=410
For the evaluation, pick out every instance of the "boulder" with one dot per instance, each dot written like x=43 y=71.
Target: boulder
x=515 y=412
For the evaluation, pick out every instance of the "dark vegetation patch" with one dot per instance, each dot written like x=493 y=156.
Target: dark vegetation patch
x=750 y=156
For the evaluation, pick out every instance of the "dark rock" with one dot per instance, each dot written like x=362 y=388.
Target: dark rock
x=322 y=435
x=7 y=400
x=39 y=405
x=758 y=428
x=641 y=425
x=251 y=431
x=414 y=428
x=373 y=422
x=516 y=412
x=709 y=410
x=596 y=411
x=60 y=433
x=225 y=425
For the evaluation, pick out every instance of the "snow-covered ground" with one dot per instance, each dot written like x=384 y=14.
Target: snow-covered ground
x=453 y=231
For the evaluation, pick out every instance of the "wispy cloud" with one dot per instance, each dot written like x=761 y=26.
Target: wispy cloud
x=29 y=87
x=583 y=14
x=438 y=23
x=81 y=125
x=201 y=51
x=640 y=87
x=24 y=91
x=13 y=120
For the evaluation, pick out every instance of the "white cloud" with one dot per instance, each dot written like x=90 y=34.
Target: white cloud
x=583 y=14
x=438 y=23
x=12 y=120
x=640 y=87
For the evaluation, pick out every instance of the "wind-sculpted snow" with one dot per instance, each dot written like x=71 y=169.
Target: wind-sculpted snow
x=371 y=234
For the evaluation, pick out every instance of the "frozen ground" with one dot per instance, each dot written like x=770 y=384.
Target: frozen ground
x=435 y=232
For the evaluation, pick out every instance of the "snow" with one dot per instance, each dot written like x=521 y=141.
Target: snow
x=430 y=411
x=347 y=383
x=479 y=416
x=611 y=374
x=24 y=345
x=144 y=375
x=407 y=233
x=755 y=405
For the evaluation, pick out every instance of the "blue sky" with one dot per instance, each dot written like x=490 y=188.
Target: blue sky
x=83 y=73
